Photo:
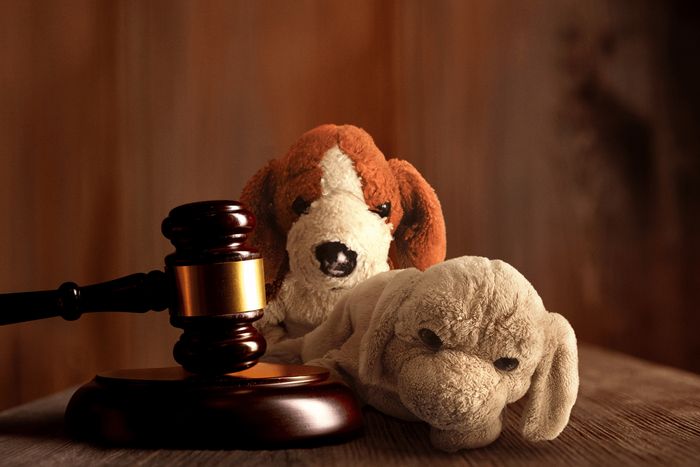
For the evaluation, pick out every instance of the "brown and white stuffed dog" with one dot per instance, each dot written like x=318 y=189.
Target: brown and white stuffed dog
x=332 y=212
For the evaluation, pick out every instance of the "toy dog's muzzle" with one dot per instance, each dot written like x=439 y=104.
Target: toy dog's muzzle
x=336 y=259
x=451 y=390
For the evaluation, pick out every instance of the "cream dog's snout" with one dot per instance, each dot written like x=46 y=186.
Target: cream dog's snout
x=429 y=383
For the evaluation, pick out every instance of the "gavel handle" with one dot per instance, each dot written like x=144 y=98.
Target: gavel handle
x=136 y=293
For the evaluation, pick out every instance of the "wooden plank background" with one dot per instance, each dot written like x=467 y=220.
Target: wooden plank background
x=560 y=136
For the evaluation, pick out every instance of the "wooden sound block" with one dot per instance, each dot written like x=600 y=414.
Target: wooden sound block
x=265 y=406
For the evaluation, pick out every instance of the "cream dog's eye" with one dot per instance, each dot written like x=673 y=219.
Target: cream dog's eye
x=300 y=205
x=384 y=209
x=506 y=364
x=430 y=339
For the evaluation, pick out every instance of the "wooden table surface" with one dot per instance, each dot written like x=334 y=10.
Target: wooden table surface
x=629 y=412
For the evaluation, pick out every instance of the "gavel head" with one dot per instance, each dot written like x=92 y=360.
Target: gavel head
x=219 y=287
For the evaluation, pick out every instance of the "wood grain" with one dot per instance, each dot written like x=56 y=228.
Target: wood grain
x=560 y=136
x=629 y=412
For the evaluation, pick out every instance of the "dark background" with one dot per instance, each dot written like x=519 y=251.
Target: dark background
x=562 y=137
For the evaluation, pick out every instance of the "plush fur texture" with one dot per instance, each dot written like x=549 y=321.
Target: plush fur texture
x=332 y=188
x=431 y=346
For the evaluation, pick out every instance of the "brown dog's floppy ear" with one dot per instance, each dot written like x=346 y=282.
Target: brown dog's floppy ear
x=258 y=195
x=554 y=385
x=381 y=325
x=419 y=239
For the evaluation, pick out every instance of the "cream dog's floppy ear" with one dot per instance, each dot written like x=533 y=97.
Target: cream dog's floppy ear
x=381 y=326
x=419 y=240
x=268 y=238
x=554 y=385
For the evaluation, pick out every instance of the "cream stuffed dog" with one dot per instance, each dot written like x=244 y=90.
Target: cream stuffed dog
x=452 y=346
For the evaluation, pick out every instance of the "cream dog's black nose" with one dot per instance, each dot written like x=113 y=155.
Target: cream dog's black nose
x=337 y=260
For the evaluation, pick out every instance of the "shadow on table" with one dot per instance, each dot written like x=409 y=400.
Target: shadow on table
x=44 y=425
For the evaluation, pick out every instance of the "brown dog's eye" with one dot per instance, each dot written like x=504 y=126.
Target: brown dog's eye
x=384 y=209
x=506 y=364
x=300 y=206
x=430 y=339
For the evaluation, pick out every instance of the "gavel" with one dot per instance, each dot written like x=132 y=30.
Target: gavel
x=214 y=286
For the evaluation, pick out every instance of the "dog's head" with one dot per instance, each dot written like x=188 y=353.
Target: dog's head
x=458 y=342
x=329 y=208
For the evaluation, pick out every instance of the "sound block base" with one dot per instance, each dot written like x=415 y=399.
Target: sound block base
x=264 y=407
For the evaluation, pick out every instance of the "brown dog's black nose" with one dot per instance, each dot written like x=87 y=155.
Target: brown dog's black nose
x=337 y=260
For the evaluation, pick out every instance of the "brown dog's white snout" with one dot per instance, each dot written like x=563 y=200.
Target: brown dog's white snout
x=336 y=259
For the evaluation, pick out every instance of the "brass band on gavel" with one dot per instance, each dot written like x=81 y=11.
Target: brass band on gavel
x=220 y=289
